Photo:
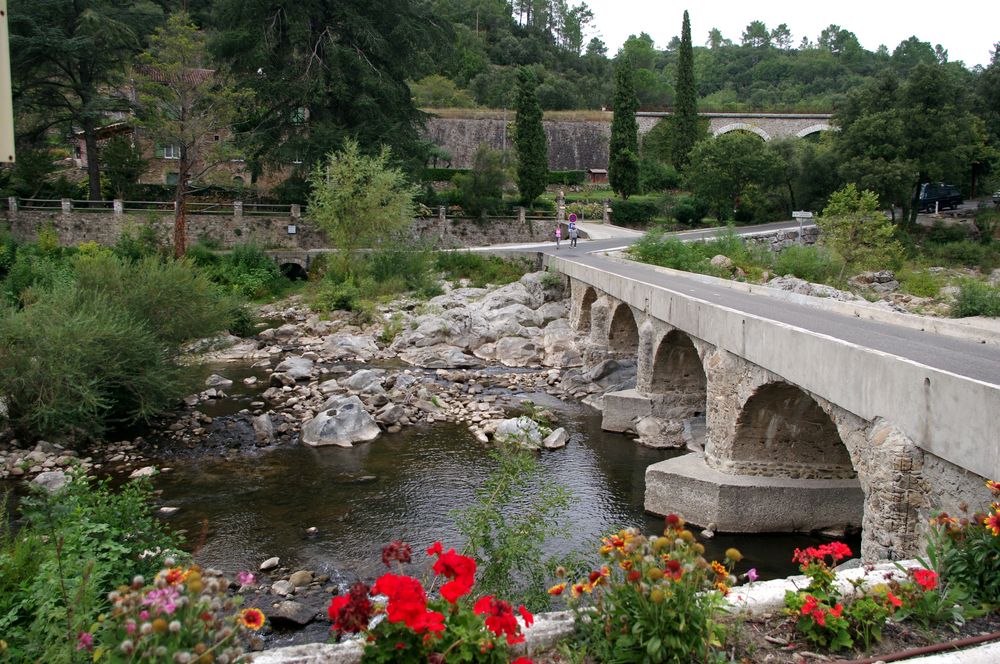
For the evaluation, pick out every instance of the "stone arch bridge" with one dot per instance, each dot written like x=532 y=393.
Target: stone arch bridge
x=768 y=126
x=801 y=431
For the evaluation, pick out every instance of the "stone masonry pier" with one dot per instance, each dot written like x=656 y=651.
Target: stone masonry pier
x=803 y=431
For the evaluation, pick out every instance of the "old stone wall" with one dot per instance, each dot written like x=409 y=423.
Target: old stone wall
x=269 y=232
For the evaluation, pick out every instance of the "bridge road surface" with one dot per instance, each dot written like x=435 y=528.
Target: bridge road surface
x=964 y=358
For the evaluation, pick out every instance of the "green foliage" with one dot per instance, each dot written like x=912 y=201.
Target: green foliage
x=337 y=296
x=853 y=225
x=359 y=199
x=730 y=171
x=976 y=299
x=657 y=599
x=481 y=189
x=137 y=243
x=443 y=174
x=966 y=552
x=919 y=282
x=436 y=91
x=123 y=165
x=71 y=550
x=529 y=139
x=965 y=253
x=685 y=116
x=33 y=272
x=245 y=271
x=478 y=268
x=515 y=511
x=689 y=210
x=623 y=151
x=568 y=178
x=657 y=176
x=815 y=264
x=633 y=213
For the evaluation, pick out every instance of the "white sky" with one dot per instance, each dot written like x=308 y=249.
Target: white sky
x=966 y=28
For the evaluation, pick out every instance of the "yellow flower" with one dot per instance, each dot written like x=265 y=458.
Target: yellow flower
x=654 y=574
x=687 y=536
x=734 y=555
x=656 y=596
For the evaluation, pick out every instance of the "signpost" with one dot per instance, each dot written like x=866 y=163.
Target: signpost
x=6 y=101
x=800 y=215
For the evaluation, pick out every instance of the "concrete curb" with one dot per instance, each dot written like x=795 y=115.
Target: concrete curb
x=943 y=326
x=550 y=628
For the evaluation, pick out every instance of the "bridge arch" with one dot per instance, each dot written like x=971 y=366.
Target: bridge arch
x=584 y=310
x=782 y=431
x=294 y=270
x=741 y=126
x=677 y=371
x=623 y=331
x=813 y=129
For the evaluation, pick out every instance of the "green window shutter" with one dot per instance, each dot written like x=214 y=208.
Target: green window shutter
x=159 y=151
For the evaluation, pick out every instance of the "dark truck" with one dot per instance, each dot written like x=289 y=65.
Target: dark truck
x=943 y=195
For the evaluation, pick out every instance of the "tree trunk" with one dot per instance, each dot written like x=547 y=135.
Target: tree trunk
x=180 y=200
x=93 y=163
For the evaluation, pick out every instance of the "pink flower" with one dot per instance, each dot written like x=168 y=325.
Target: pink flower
x=162 y=600
x=752 y=574
x=85 y=641
x=246 y=578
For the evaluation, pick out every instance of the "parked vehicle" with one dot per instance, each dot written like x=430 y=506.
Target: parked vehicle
x=940 y=196
x=996 y=197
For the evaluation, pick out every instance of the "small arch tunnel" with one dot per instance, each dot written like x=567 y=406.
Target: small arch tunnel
x=586 y=305
x=293 y=271
x=623 y=332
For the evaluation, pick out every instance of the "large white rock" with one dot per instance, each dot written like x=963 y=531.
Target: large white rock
x=443 y=356
x=522 y=430
x=51 y=480
x=556 y=439
x=342 y=346
x=343 y=422
x=219 y=382
x=363 y=380
x=295 y=367
x=517 y=352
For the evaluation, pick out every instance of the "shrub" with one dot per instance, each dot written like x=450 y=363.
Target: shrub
x=334 y=296
x=658 y=599
x=137 y=243
x=568 y=178
x=689 y=210
x=656 y=176
x=976 y=299
x=72 y=548
x=919 y=282
x=632 y=213
x=35 y=271
x=815 y=264
x=442 y=174
x=478 y=268
x=966 y=253
x=242 y=319
x=945 y=234
x=400 y=260
x=249 y=272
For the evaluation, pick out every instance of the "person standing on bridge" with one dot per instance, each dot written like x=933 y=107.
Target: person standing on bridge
x=558 y=234
x=573 y=234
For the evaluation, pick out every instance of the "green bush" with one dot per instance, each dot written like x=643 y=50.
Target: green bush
x=35 y=271
x=242 y=319
x=815 y=264
x=568 y=178
x=632 y=213
x=443 y=174
x=689 y=210
x=71 y=550
x=943 y=234
x=338 y=296
x=919 y=282
x=966 y=254
x=478 y=268
x=656 y=176
x=137 y=243
x=976 y=299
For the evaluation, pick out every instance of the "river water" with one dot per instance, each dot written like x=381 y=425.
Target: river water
x=241 y=511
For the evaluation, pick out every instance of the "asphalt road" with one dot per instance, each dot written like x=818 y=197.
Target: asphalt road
x=965 y=358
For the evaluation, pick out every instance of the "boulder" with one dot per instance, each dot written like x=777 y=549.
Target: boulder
x=523 y=430
x=282 y=588
x=145 y=471
x=720 y=261
x=281 y=379
x=263 y=429
x=343 y=422
x=517 y=352
x=301 y=578
x=442 y=356
x=390 y=414
x=219 y=382
x=559 y=341
x=289 y=612
x=341 y=346
x=296 y=367
x=363 y=380
x=269 y=564
x=556 y=439
x=660 y=433
x=51 y=480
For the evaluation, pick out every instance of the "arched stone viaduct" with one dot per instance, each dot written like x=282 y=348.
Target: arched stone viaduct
x=768 y=126
x=803 y=432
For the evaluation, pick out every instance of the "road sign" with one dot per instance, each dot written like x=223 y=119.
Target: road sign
x=572 y=218
x=802 y=214
x=6 y=105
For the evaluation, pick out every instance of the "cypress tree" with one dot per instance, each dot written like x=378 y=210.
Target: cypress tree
x=623 y=152
x=685 y=115
x=529 y=139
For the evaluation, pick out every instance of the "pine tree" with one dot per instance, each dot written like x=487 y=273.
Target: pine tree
x=685 y=115
x=529 y=139
x=623 y=152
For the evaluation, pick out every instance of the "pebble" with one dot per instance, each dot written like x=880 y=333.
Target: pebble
x=270 y=563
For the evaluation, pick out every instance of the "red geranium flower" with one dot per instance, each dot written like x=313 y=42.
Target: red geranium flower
x=408 y=603
x=893 y=600
x=526 y=616
x=927 y=579
x=351 y=612
x=460 y=569
x=500 y=618
x=397 y=550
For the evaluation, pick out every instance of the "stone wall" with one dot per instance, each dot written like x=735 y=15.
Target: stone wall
x=269 y=232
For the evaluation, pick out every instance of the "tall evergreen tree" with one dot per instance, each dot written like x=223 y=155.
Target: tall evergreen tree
x=529 y=139
x=685 y=116
x=623 y=152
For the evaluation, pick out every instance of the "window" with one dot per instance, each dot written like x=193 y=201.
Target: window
x=171 y=177
x=168 y=151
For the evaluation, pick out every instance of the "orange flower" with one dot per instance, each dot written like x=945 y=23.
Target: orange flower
x=993 y=486
x=719 y=569
x=580 y=588
x=175 y=575
x=992 y=523
x=557 y=589
x=252 y=618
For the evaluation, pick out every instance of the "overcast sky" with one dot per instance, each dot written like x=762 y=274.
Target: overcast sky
x=966 y=28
